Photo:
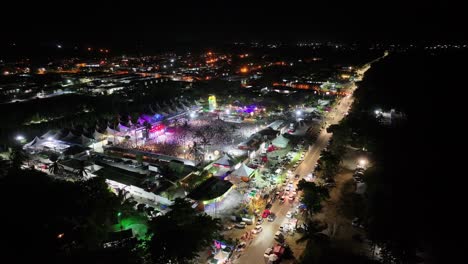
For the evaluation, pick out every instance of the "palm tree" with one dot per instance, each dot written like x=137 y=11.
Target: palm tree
x=313 y=232
x=82 y=171
x=56 y=167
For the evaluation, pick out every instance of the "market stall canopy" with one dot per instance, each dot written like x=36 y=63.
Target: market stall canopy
x=280 y=141
x=243 y=171
x=225 y=161
x=98 y=136
x=33 y=142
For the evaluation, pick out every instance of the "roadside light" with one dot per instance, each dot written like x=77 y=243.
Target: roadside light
x=19 y=138
x=60 y=235
x=362 y=162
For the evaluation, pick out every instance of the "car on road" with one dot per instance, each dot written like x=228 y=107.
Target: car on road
x=271 y=217
x=259 y=221
x=279 y=236
x=268 y=252
x=240 y=225
x=241 y=246
x=257 y=229
x=281 y=200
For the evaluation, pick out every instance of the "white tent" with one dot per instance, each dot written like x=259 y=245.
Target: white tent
x=33 y=142
x=280 y=141
x=98 y=136
x=85 y=141
x=225 y=161
x=111 y=131
x=69 y=137
x=243 y=171
x=50 y=133
x=122 y=128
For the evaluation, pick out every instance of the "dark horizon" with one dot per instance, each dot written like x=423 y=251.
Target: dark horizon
x=122 y=25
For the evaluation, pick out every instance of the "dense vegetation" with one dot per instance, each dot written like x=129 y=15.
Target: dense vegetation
x=408 y=206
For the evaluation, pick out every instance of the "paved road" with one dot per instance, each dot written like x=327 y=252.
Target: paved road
x=254 y=252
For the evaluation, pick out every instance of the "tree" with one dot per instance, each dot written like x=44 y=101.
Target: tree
x=180 y=234
x=77 y=217
x=313 y=232
x=313 y=195
x=82 y=172
x=55 y=168
x=18 y=157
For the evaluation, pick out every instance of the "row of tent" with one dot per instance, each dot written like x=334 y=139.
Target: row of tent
x=173 y=107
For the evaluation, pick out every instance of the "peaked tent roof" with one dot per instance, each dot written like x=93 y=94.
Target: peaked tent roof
x=32 y=143
x=50 y=133
x=97 y=135
x=225 y=160
x=111 y=131
x=243 y=171
x=280 y=141
x=69 y=137
x=122 y=128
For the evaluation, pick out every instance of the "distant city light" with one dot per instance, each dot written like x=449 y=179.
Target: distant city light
x=172 y=60
x=298 y=112
x=244 y=70
x=59 y=46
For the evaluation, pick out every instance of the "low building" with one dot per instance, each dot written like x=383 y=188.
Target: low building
x=210 y=191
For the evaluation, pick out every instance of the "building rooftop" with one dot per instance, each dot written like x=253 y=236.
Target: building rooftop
x=210 y=189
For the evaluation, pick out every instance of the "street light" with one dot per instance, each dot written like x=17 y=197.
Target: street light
x=362 y=162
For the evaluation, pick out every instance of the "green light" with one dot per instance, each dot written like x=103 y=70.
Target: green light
x=119 y=214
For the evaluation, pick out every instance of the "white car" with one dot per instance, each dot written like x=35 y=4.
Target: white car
x=257 y=229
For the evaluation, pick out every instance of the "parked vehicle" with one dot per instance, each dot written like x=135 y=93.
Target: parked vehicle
x=257 y=229
x=267 y=253
x=259 y=221
x=279 y=236
x=240 y=225
x=271 y=217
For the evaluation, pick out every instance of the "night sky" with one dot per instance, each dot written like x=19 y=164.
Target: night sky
x=122 y=24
